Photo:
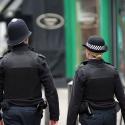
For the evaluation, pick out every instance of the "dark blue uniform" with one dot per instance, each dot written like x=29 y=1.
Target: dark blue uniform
x=22 y=75
x=94 y=87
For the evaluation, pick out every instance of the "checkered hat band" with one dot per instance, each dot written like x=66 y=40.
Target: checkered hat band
x=95 y=47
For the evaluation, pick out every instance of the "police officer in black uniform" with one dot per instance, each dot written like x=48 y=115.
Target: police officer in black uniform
x=95 y=84
x=22 y=75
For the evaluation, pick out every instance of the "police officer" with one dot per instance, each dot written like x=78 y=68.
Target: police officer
x=95 y=84
x=22 y=75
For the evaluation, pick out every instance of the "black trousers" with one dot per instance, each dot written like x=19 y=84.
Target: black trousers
x=99 y=117
x=21 y=116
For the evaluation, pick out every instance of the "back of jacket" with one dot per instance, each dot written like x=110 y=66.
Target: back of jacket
x=21 y=71
x=96 y=82
x=100 y=84
x=22 y=75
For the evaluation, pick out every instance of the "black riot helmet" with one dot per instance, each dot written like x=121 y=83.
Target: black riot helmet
x=17 y=32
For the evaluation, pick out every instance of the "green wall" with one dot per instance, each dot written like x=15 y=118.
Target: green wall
x=71 y=32
x=70 y=36
x=105 y=26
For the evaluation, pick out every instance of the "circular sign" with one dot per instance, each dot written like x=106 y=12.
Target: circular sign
x=50 y=21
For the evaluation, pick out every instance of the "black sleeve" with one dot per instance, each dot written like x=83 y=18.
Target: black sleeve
x=119 y=92
x=50 y=90
x=76 y=97
x=1 y=85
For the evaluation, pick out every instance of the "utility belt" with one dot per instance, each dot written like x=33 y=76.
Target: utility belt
x=42 y=105
x=7 y=104
x=89 y=107
x=86 y=108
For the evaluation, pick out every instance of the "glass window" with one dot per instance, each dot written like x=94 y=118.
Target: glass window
x=121 y=37
x=87 y=21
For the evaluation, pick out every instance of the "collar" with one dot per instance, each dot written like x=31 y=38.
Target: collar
x=95 y=61
x=20 y=47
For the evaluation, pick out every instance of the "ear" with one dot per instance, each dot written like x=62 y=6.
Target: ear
x=87 y=53
x=26 y=40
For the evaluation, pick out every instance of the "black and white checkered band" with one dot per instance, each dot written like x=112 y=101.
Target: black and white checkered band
x=95 y=47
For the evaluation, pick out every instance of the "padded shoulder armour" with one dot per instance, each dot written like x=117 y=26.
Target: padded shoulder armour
x=84 y=63
x=109 y=63
x=41 y=56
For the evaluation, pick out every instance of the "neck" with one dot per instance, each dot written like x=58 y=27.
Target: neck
x=91 y=57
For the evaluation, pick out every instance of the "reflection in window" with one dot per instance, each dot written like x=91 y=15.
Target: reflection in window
x=121 y=37
x=87 y=18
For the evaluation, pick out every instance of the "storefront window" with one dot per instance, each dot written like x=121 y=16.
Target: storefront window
x=87 y=20
x=121 y=37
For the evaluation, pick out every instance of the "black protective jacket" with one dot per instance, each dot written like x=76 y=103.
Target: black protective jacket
x=22 y=75
x=97 y=82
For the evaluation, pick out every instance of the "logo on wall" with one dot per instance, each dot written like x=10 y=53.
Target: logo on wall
x=50 y=21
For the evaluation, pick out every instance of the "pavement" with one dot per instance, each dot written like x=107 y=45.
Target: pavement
x=63 y=102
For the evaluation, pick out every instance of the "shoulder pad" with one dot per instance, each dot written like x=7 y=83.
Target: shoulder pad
x=81 y=65
x=109 y=63
x=8 y=51
x=42 y=56
x=84 y=63
x=32 y=49
x=1 y=57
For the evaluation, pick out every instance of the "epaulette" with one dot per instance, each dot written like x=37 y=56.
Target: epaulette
x=84 y=63
x=1 y=57
x=109 y=63
x=8 y=51
x=32 y=49
x=42 y=56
